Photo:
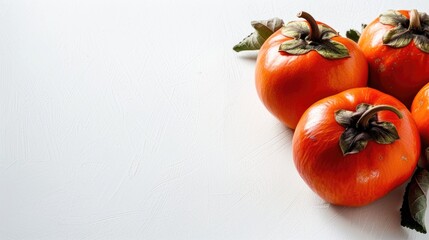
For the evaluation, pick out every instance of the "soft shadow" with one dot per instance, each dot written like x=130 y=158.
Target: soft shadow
x=286 y=132
x=248 y=55
x=289 y=132
x=381 y=217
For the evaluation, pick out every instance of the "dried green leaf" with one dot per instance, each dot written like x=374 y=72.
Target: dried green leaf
x=422 y=43
x=295 y=46
x=263 y=30
x=296 y=29
x=404 y=33
x=384 y=132
x=353 y=35
x=327 y=32
x=362 y=107
x=424 y=18
x=300 y=44
x=393 y=18
x=352 y=141
x=398 y=37
x=362 y=126
x=252 y=42
x=348 y=118
x=267 y=27
x=344 y=117
x=332 y=50
x=415 y=201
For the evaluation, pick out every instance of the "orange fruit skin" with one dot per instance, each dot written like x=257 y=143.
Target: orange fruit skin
x=420 y=113
x=288 y=84
x=354 y=179
x=400 y=72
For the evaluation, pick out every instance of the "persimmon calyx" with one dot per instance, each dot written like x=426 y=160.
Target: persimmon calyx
x=363 y=125
x=406 y=30
x=308 y=35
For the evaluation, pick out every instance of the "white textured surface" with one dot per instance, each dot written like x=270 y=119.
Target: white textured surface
x=136 y=120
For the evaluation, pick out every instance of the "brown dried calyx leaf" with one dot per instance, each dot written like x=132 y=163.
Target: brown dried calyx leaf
x=309 y=35
x=406 y=30
x=363 y=125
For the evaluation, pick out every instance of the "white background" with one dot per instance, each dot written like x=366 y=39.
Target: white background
x=136 y=120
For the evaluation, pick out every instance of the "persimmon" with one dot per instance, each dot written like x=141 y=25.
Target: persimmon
x=420 y=113
x=305 y=61
x=354 y=147
x=396 y=46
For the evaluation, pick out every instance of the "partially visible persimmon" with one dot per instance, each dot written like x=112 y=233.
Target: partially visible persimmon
x=303 y=62
x=396 y=46
x=420 y=112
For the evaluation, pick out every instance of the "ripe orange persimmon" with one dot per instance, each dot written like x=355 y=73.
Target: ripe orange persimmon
x=420 y=113
x=354 y=147
x=396 y=46
x=303 y=62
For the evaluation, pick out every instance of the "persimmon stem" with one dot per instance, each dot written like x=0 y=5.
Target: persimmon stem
x=415 y=21
x=363 y=121
x=314 y=28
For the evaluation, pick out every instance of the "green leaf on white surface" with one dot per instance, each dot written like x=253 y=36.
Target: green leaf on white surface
x=263 y=30
x=415 y=201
